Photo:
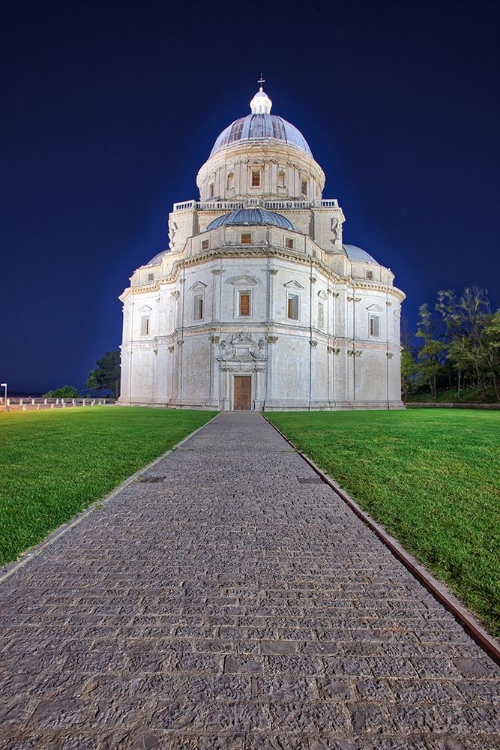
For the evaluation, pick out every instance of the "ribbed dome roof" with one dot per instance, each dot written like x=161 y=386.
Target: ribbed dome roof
x=356 y=253
x=261 y=126
x=253 y=217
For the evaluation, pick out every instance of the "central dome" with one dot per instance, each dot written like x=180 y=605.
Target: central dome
x=261 y=124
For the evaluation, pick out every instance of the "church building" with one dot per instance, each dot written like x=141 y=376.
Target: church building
x=258 y=304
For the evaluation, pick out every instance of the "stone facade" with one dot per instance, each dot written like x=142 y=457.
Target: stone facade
x=257 y=304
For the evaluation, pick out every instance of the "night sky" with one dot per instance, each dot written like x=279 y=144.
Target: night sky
x=108 y=110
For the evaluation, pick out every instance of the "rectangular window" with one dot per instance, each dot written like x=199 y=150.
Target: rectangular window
x=303 y=187
x=255 y=177
x=244 y=303
x=374 y=325
x=321 y=315
x=289 y=243
x=151 y=277
x=246 y=238
x=145 y=325
x=369 y=274
x=198 y=307
x=211 y=190
x=205 y=244
x=293 y=306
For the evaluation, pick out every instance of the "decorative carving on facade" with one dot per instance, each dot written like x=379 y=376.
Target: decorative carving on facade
x=333 y=349
x=176 y=294
x=171 y=349
x=313 y=343
x=242 y=281
x=273 y=271
x=389 y=355
x=271 y=339
x=214 y=339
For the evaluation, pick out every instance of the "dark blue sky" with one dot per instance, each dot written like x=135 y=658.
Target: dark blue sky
x=110 y=108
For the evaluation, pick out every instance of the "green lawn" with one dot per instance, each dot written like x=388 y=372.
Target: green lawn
x=55 y=463
x=431 y=477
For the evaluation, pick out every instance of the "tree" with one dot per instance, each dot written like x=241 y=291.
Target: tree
x=431 y=353
x=491 y=335
x=410 y=374
x=106 y=376
x=469 y=348
x=67 y=391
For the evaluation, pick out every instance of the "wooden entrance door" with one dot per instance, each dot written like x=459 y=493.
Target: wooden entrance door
x=242 y=392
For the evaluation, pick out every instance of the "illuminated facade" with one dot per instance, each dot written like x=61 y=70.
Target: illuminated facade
x=257 y=303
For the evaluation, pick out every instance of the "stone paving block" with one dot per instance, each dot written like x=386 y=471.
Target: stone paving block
x=232 y=606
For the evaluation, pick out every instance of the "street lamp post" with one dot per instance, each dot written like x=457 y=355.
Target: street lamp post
x=4 y=385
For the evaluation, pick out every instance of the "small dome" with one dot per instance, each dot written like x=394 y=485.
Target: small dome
x=157 y=259
x=356 y=253
x=252 y=217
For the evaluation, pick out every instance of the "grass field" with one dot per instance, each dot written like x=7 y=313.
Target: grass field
x=56 y=463
x=431 y=477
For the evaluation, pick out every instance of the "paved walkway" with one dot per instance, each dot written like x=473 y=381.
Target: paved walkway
x=236 y=604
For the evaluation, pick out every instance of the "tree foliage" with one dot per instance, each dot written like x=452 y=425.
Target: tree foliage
x=106 y=376
x=460 y=346
x=67 y=391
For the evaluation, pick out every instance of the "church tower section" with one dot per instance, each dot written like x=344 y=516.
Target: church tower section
x=258 y=304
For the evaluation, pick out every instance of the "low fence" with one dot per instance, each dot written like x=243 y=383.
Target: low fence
x=37 y=404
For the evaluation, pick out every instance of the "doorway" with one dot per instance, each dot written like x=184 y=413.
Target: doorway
x=242 y=392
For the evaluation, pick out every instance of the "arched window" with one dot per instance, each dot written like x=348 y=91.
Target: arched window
x=230 y=181
x=281 y=179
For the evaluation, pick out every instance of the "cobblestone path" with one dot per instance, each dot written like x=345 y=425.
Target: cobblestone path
x=234 y=605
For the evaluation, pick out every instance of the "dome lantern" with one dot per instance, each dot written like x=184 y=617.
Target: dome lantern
x=261 y=103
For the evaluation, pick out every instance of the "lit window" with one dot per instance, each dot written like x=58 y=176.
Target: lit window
x=321 y=315
x=369 y=274
x=374 y=325
x=246 y=238
x=303 y=187
x=205 y=244
x=198 y=307
x=244 y=303
x=255 y=177
x=293 y=306
x=145 y=325
x=289 y=243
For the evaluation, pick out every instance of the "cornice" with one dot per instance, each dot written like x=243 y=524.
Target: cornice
x=266 y=252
